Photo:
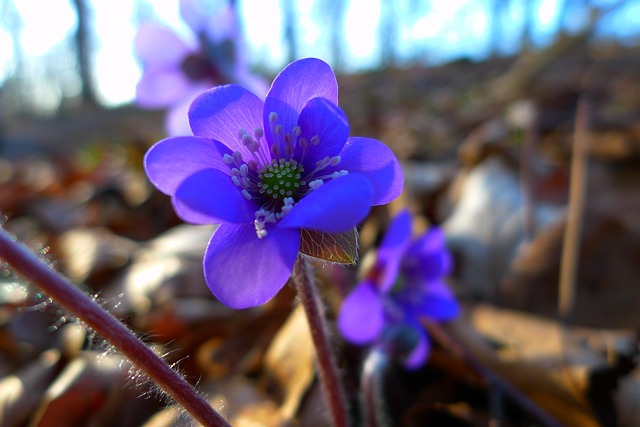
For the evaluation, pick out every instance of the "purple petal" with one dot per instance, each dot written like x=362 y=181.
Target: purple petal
x=337 y=206
x=328 y=122
x=171 y=160
x=159 y=88
x=434 y=240
x=361 y=316
x=427 y=258
x=222 y=111
x=158 y=46
x=191 y=13
x=209 y=197
x=244 y=271
x=176 y=121
x=294 y=87
x=377 y=162
x=437 y=302
x=392 y=249
x=223 y=25
x=420 y=352
x=217 y=21
x=398 y=232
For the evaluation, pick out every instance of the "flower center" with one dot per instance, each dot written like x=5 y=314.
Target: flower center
x=280 y=179
x=272 y=177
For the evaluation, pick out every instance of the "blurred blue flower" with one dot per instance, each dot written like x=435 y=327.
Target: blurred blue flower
x=266 y=171
x=405 y=284
x=177 y=69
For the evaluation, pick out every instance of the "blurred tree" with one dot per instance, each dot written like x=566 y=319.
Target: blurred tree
x=37 y=84
x=388 y=32
x=530 y=11
x=289 y=27
x=83 y=50
x=495 y=15
x=12 y=22
x=333 y=14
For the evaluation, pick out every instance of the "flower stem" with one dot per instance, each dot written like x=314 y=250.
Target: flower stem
x=374 y=407
x=310 y=300
x=106 y=325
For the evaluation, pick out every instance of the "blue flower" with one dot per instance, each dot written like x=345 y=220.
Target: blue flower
x=271 y=173
x=405 y=284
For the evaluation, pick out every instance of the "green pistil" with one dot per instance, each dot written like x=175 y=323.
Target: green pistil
x=280 y=179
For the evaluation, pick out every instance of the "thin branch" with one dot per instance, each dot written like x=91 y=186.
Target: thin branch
x=575 y=214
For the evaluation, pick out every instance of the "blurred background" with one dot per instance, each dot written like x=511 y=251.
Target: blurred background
x=56 y=54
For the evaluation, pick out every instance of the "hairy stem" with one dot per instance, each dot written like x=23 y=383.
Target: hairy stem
x=310 y=300
x=107 y=326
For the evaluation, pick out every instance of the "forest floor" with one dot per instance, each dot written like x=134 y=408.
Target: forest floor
x=531 y=165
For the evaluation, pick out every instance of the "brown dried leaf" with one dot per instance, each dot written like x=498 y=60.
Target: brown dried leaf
x=243 y=403
x=164 y=269
x=81 y=391
x=20 y=393
x=333 y=247
x=548 y=362
x=289 y=362
x=92 y=251
x=96 y=389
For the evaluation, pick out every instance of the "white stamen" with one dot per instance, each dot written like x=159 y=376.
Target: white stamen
x=316 y=184
x=228 y=159
x=334 y=160
x=246 y=195
x=323 y=163
x=258 y=133
x=273 y=117
x=338 y=174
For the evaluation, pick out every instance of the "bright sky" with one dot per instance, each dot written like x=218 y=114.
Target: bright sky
x=450 y=28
